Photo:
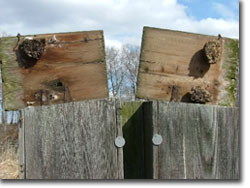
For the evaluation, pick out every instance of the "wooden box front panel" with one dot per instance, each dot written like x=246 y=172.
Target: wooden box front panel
x=173 y=62
x=72 y=67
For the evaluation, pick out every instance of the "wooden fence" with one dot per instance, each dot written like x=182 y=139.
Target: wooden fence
x=77 y=141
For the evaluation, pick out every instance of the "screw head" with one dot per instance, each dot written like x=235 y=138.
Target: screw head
x=157 y=139
x=119 y=141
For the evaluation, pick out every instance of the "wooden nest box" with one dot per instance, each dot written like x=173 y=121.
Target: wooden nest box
x=53 y=68
x=185 y=67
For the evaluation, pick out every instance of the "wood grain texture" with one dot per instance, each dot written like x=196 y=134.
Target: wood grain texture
x=199 y=142
x=73 y=69
x=72 y=141
x=172 y=59
x=76 y=141
x=21 y=149
x=119 y=132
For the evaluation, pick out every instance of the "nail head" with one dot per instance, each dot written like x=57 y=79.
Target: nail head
x=119 y=141
x=157 y=139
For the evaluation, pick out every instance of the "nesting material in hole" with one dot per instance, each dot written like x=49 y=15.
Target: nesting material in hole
x=31 y=51
x=200 y=95
x=213 y=51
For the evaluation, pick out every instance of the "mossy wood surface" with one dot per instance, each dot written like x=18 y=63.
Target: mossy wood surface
x=72 y=68
x=173 y=62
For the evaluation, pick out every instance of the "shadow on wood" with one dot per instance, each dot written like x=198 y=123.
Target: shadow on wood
x=137 y=130
x=133 y=151
x=198 y=65
x=186 y=98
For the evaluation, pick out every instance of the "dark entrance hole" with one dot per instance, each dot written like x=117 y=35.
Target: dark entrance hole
x=199 y=65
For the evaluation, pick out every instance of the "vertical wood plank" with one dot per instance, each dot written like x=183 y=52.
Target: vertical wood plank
x=119 y=132
x=133 y=131
x=170 y=164
x=72 y=141
x=149 y=154
x=229 y=149
x=199 y=142
x=155 y=130
x=21 y=147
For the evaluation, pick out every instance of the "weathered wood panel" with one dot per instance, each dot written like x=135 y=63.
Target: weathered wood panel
x=76 y=141
x=199 y=142
x=72 y=141
x=172 y=62
x=72 y=68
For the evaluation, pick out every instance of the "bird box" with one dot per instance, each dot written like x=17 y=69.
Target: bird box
x=186 y=67
x=53 y=68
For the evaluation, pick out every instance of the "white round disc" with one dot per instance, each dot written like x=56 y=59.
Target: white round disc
x=119 y=141
x=157 y=139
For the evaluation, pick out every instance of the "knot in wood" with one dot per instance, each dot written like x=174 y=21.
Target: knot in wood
x=200 y=95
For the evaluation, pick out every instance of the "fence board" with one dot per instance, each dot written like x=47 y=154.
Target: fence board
x=76 y=141
x=21 y=149
x=72 y=141
x=199 y=142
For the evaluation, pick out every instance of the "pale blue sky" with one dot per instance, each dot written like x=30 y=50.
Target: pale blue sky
x=200 y=9
x=121 y=20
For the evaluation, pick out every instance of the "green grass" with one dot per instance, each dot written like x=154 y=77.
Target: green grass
x=231 y=66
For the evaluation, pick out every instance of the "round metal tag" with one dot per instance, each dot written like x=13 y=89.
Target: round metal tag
x=157 y=139
x=119 y=141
